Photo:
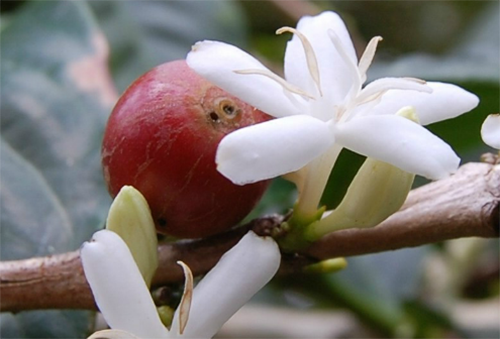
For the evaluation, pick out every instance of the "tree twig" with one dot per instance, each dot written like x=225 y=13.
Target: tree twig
x=464 y=205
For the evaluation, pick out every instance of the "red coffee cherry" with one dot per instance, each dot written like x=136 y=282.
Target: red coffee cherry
x=162 y=138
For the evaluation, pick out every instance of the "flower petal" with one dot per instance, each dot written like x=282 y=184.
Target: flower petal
x=445 y=102
x=335 y=77
x=400 y=142
x=218 y=61
x=490 y=131
x=118 y=287
x=130 y=217
x=112 y=334
x=238 y=275
x=272 y=148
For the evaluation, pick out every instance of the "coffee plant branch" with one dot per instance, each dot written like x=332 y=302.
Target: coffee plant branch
x=466 y=204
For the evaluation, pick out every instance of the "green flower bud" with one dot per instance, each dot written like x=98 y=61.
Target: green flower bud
x=129 y=216
x=326 y=266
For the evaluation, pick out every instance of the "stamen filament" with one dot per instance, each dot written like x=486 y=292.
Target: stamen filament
x=386 y=84
x=366 y=99
x=286 y=85
x=312 y=62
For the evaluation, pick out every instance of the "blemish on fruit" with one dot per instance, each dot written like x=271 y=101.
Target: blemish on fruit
x=227 y=108
x=214 y=116
x=162 y=222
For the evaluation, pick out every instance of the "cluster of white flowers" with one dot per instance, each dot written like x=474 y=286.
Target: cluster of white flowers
x=321 y=107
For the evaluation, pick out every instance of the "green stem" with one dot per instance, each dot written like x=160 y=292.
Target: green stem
x=311 y=182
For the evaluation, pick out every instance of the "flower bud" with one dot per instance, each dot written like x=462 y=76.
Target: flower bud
x=129 y=216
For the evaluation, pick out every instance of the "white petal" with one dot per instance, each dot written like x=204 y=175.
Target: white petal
x=336 y=78
x=272 y=148
x=238 y=275
x=218 y=61
x=400 y=142
x=112 y=334
x=490 y=131
x=445 y=102
x=118 y=287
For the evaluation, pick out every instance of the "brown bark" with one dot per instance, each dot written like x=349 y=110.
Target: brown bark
x=464 y=205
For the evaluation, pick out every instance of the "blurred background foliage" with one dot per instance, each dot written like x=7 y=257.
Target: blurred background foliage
x=56 y=93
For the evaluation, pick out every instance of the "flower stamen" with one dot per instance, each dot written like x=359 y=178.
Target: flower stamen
x=187 y=296
x=367 y=57
x=385 y=84
x=312 y=62
x=286 y=85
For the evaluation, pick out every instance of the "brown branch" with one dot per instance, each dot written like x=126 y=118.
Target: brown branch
x=464 y=205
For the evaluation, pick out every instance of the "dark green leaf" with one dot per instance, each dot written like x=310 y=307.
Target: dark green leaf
x=376 y=286
x=34 y=221
x=144 y=34
x=56 y=95
x=55 y=99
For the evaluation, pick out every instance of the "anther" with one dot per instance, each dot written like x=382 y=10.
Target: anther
x=367 y=57
x=312 y=62
x=185 y=305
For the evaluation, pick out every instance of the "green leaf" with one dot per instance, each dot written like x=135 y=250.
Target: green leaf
x=144 y=34
x=56 y=95
x=34 y=222
x=55 y=99
x=376 y=287
x=391 y=276
x=45 y=324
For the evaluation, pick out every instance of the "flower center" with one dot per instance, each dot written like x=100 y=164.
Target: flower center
x=373 y=92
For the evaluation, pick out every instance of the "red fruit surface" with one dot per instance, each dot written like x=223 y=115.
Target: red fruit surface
x=162 y=138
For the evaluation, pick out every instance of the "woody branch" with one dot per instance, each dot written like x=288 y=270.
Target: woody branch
x=466 y=204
